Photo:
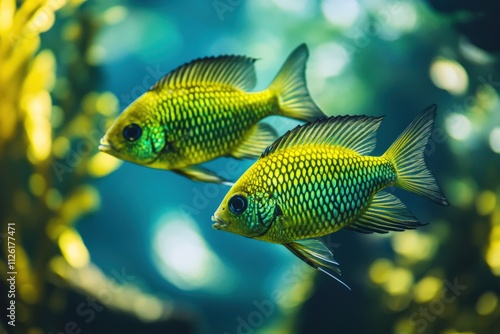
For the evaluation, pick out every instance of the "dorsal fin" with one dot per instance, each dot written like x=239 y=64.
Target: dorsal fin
x=237 y=71
x=354 y=132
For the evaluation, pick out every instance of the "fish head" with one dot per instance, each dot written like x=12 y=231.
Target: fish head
x=136 y=135
x=246 y=213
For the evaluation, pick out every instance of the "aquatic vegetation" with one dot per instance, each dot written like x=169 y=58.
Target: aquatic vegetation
x=51 y=118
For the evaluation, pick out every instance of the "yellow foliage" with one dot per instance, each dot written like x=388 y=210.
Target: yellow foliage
x=25 y=78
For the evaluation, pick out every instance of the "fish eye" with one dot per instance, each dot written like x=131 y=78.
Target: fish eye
x=132 y=132
x=238 y=204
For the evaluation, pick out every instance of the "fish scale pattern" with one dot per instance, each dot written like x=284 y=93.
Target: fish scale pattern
x=320 y=189
x=208 y=121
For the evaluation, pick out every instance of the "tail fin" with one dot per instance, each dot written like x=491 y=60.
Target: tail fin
x=407 y=155
x=290 y=87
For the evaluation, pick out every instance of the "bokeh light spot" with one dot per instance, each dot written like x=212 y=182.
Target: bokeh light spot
x=427 y=289
x=449 y=75
x=380 y=270
x=38 y=127
x=405 y=19
x=73 y=249
x=493 y=252
x=6 y=14
x=61 y=147
x=458 y=126
x=53 y=199
x=56 y=116
x=37 y=184
x=71 y=31
x=341 y=13
x=413 y=245
x=148 y=308
x=461 y=192
x=107 y=104
x=297 y=6
x=102 y=164
x=487 y=303
x=495 y=140
x=96 y=54
x=399 y=282
x=115 y=14
x=328 y=60
x=486 y=202
x=184 y=258
x=474 y=53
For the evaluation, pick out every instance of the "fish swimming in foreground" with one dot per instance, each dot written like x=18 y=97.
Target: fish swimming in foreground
x=318 y=178
x=204 y=110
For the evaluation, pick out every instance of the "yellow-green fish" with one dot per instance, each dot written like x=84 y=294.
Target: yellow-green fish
x=319 y=178
x=204 y=110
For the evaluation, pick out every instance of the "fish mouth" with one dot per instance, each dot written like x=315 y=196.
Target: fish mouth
x=219 y=223
x=106 y=147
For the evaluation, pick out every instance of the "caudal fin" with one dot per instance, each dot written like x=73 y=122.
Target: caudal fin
x=291 y=89
x=407 y=155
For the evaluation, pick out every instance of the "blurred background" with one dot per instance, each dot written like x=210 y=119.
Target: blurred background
x=109 y=247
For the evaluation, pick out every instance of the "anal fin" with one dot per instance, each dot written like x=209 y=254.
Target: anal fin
x=260 y=136
x=317 y=255
x=385 y=213
x=198 y=173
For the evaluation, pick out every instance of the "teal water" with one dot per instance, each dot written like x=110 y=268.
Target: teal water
x=373 y=58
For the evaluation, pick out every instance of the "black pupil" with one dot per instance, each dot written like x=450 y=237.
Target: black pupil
x=237 y=204
x=132 y=132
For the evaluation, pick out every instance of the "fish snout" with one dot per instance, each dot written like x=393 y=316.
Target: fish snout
x=105 y=146
x=219 y=223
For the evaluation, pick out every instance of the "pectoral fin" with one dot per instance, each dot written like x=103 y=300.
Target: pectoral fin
x=201 y=174
x=385 y=213
x=260 y=136
x=317 y=255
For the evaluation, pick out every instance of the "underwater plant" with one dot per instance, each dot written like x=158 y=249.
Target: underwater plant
x=52 y=115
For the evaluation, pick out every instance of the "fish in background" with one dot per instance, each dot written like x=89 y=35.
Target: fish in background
x=319 y=178
x=204 y=110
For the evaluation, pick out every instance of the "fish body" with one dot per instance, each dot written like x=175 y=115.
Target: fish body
x=204 y=110
x=319 y=178
x=318 y=189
